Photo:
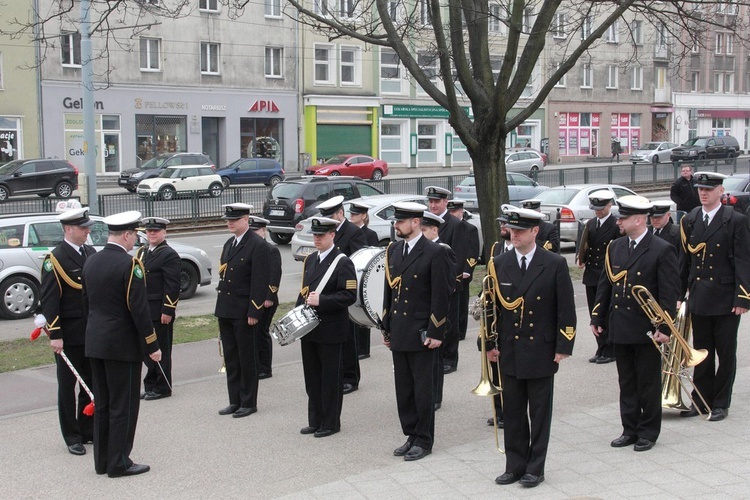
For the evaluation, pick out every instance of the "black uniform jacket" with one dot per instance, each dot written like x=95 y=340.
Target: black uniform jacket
x=417 y=293
x=61 y=291
x=548 y=237
x=114 y=296
x=598 y=239
x=275 y=277
x=537 y=313
x=671 y=234
x=370 y=236
x=244 y=275
x=349 y=238
x=715 y=262
x=472 y=257
x=452 y=232
x=163 y=267
x=338 y=294
x=653 y=265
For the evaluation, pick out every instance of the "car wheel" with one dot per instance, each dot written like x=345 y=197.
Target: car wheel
x=280 y=238
x=533 y=172
x=43 y=195
x=274 y=180
x=167 y=193
x=4 y=193
x=20 y=297
x=655 y=160
x=730 y=158
x=189 y=278
x=226 y=181
x=64 y=190
x=334 y=174
x=215 y=189
x=377 y=174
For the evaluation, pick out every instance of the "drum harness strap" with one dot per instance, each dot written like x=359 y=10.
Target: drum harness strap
x=324 y=281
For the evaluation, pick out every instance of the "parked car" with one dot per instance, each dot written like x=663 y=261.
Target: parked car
x=527 y=161
x=517 y=149
x=185 y=178
x=130 y=178
x=41 y=176
x=252 y=171
x=572 y=202
x=363 y=166
x=652 y=152
x=25 y=240
x=520 y=188
x=295 y=199
x=706 y=148
x=737 y=193
x=381 y=218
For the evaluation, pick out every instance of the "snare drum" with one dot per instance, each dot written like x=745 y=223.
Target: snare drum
x=294 y=325
x=369 y=263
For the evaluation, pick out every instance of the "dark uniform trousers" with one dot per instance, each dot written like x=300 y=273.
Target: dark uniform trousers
x=363 y=333
x=537 y=319
x=61 y=305
x=154 y=380
x=265 y=342
x=454 y=233
x=243 y=287
x=418 y=283
x=653 y=265
x=715 y=268
x=322 y=348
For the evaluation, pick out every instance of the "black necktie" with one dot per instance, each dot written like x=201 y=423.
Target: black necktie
x=657 y=232
x=234 y=243
x=706 y=220
x=82 y=251
x=523 y=264
x=631 y=247
x=406 y=249
x=598 y=223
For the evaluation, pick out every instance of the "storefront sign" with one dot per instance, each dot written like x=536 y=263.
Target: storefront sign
x=70 y=103
x=406 y=111
x=161 y=105
x=723 y=113
x=213 y=107
x=260 y=105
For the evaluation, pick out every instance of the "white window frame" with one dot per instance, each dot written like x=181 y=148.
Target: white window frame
x=273 y=9
x=210 y=53
x=586 y=26
x=425 y=17
x=660 y=78
x=396 y=11
x=562 y=82
x=151 y=44
x=329 y=63
x=71 y=52
x=435 y=66
x=723 y=82
x=495 y=22
x=529 y=17
x=636 y=78
x=612 y=74
x=695 y=77
x=587 y=76
x=355 y=64
x=696 y=48
x=274 y=56
x=324 y=8
x=637 y=29
x=2 y=73
x=209 y=5
x=613 y=33
x=558 y=26
x=729 y=44
x=661 y=35
x=719 y=48
x=400 y=71
x=348 y=9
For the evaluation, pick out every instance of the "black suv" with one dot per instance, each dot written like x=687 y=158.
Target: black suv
x=295 y=199
x=706 y=148
x=42 y=176
x=130 y=178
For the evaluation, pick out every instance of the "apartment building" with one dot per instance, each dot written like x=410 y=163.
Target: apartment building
x=205 y=82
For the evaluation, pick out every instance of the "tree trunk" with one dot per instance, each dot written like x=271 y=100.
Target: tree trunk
x=491 y=185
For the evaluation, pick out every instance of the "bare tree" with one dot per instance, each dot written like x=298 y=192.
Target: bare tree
x=456 y=33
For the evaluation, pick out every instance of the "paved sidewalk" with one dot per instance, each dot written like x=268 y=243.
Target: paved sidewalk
x=195 y=453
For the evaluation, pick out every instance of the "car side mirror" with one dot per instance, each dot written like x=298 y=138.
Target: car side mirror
x=236 y=169
x=535 y=183
x=16 y=174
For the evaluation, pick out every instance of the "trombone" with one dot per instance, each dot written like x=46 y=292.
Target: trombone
x=488 y=333
x=679 y=355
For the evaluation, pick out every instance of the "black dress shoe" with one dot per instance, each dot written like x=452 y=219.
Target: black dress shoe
x=308 y=429
x=402 y=450
x=718 y=414
x=603 y=360
x=244 y=412
x=692 y=412
x=77 y=449
x=499 y=420
x=531 y=480
x=437 y=406
x=263 y=375
x=507 y=478
x=133 y=470
x=144 y=394
x=643 y=444
x=449 y=369
x=229 y=410
x=416 y=453
x=349 y=388
x=321 y=433
x=363 y=356
x=593 y=358
x=150 y=396
x=623 y=441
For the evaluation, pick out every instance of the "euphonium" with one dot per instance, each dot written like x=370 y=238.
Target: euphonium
x=671 y=387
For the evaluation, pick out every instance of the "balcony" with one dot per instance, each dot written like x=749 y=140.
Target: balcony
x=663 y=95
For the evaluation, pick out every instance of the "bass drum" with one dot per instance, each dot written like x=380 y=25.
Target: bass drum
x=294 y=325
x=369 y=263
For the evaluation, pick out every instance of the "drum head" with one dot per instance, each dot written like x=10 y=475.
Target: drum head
x=370 y=266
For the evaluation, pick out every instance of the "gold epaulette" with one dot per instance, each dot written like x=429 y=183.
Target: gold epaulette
x=395 y=282
x=59 y=271
x=510 y=306
x=614 y=278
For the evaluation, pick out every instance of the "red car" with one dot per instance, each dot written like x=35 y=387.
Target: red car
x=362 y=166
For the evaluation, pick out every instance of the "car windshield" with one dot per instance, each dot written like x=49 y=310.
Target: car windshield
x=557 y=196
x=649 y=146
x=170 y=173
x=285 y=191
x=235 y=163
x=469 y=181
x=336 y=160
x=155 y=162
x=734 y=183
x=695 y=142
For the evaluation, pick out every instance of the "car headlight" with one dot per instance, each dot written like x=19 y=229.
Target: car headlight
x=203 y=253
x=323 y=171
x=693 y=153
x=137 y=175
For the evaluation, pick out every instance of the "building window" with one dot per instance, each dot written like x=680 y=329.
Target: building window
x=391 y=141
x=721 y=126
x=160 y=134
x=11 y=135
x=696 y=48
x=2 y=73
x=661 y=78
x=323 y=7
x=661 y=35
x=427 y=151
x=71 y=49
x=209 y=5
x=730 y=44
x=528 y=20
x=428 y=62
x=347 y=8
x=695 y=81
x=261 y=138
x=636 y=79
x=351 y=62
x=496 y=18
x=561 y=83
x=586 y=28
x=626 y=128
x=425 y=12
x=587 y=76
x=637 y=31
x=273 y=8
x=558 y=26
x=324 y=60
x=150 y=57
x=395 y=10
x=273 y=62
x=719 y=49
x=612 y=35
x=611 y=76
x=723 y=83
x=210 y=58
x=578 y=134
x=390 y=72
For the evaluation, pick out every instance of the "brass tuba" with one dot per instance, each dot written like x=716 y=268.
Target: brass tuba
x=677 y=355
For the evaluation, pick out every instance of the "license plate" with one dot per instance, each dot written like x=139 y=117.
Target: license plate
x=306 y=250
x=469 y=203
x=276 y=213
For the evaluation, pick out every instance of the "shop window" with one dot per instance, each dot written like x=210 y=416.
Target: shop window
x=626 y=128
x=150 y=56
x=391 y=141
x=160 y=134
x=210 y=58
x=10 y=134
x=261 y=138
x=70 y=43
x=273 y=62
x=324 y=63
x=578 y=134
x=273 y=8
x=427 y=143
x=721 y=126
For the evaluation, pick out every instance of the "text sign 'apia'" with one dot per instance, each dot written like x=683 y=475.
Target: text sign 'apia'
x=268 y=106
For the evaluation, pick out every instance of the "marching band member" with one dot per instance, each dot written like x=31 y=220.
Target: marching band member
x=456 y=209
x=549 y=234
x=359 y=216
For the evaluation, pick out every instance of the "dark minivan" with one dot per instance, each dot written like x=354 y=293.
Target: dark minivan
x=252 y=171
x=43 y=176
